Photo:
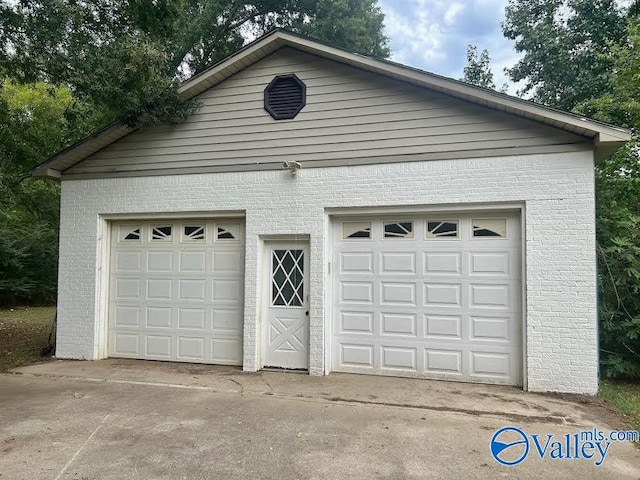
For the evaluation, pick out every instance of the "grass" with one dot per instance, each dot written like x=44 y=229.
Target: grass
x=24 y=333
x=625 y=397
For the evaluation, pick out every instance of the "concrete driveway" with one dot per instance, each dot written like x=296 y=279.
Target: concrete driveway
x=117 y=419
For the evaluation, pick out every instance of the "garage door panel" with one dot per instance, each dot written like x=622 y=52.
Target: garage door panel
x=492 y=364
x=442 y=294
x=441 y=361
x=159 y=262
x=227 y=290
x=191 y=318
x=356 y=263
x=158 y=346
x=228 y=262
x=354 y=355
x=399 y=358
x=358 y=323
x=226 y=351
x=356 y=292
x=159 y=289
x=128 y=289
x=191 y=348
x=494 y=329
x=127 y=316
x=128 y=261
x=227 y=321
x=126 y=344
x=193 y=262
x=192 y=289
x=492 y=263
x=442 y=263
x=176 y=291
x=398 y=263
x=394 y=293
x=443 y=327
x=489 y=295
x=159 y=317
x=429 y=306
x=397 y=324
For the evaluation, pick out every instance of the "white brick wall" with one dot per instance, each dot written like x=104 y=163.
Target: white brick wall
x=560 y=273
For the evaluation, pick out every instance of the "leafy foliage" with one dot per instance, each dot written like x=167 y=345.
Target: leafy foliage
x=618 y=214
x=566 y=46
x=621 y=104
x=68 y=67
x=584 y=56
x=33 y=124
x=126 y=57
x=477 y=71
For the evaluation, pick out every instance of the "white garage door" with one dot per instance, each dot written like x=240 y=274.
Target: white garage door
x=428 y=296
x=176 y=291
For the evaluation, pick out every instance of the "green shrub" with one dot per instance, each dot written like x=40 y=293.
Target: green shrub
x=618 y=231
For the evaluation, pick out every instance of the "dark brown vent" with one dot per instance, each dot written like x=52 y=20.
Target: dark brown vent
x=285 y=96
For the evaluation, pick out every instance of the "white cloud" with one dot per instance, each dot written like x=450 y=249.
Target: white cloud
x=433 y=34
x=452 y=11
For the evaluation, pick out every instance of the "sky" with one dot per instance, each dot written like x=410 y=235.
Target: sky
x=433 y=35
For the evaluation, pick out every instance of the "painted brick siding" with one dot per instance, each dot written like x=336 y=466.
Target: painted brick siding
x=560 y=272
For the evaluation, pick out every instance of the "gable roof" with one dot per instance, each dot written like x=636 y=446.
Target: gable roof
x=606 y=138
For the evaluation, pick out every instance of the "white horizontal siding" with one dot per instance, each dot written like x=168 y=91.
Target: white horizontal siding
x=350 y=114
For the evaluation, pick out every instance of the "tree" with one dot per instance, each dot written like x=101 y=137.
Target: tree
x=126 y=57
x=75 y=65
x=353 y=24
x=582 y=56
x=618 y=212
x=565 y=45
x=618 y=233
x=35 y=121
x=621 y=104
x=478 y=69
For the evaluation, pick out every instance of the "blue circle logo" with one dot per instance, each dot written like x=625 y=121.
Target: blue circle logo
x=509 y=446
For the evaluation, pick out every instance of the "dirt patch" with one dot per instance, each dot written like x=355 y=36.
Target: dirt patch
x=24 y=336
x=601 y=408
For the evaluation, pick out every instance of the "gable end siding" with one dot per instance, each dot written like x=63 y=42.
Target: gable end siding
x=351 y=117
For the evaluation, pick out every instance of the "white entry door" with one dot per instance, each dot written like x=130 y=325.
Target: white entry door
x=286 y=305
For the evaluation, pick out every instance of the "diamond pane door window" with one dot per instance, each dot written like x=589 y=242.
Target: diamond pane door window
x=288 y=278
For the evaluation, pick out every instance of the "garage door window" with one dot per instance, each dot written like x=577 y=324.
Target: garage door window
x=130 y=233
x=490 y=227
x=356 y=230
x=442 y=229
x=162 y=233
x=398 y=230
x=193 y=233
x=227 y=232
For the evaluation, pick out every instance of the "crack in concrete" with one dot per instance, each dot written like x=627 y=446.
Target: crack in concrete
x=516 y=417
x=239 y=384
x=267 y=383
x=512 y=416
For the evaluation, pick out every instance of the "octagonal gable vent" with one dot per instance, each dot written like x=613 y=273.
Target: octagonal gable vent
x=285 y=96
